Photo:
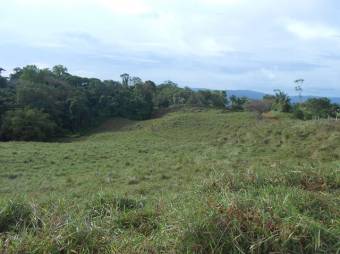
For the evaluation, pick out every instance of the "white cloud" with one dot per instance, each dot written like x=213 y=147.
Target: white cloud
x=44 y=3
x=130 y=7
x=311 y=31
x=268 y=74
x=124 y=7
x=210 y=47
x=221 y=2
x=221 y=42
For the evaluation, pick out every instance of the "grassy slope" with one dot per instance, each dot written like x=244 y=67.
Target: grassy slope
x=202 y=182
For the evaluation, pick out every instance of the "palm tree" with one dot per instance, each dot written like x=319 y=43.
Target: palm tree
x=281 y=101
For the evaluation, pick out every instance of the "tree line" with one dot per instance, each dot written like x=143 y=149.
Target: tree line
x=42 y=104
x=312 y=108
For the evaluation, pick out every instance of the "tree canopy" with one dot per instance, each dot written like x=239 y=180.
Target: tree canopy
x=67 y=103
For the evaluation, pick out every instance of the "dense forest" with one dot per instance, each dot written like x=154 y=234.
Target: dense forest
x=40 y=104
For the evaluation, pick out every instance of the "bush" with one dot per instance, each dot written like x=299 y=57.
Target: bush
x=207 y=98
x=258 y=107
x=298 y=113
x=27 y=124
x=316 y=108
x=237 y=103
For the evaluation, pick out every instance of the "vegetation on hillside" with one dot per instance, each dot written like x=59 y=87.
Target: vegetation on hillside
x=213 y=176
x=43 y=104
x=69 y=104
x=193 y=181
x=312 y=108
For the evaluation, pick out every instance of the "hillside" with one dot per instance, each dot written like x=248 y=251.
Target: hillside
x=192 y=181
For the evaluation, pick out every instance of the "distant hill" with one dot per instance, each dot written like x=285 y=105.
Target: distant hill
x=254 y=95
x=240 y=93
x=246 y=93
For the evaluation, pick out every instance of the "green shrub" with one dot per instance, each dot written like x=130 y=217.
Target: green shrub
x=27 y=124
x=298 y=113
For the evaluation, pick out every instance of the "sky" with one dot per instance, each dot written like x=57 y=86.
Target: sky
x=257 y=45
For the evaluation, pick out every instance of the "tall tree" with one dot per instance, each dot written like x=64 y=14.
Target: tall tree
x=125 y=79
x=59 y=70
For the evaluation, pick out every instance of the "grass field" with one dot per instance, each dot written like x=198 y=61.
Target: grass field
x=192 y=181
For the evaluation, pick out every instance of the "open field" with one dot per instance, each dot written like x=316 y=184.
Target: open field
x=192 y=181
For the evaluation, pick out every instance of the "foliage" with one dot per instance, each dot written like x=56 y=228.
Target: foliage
x=76 y=104
x=27 y=124
x=238 y=103
x=7 y=100
x=281 y=102
x=169 y=94
x=258 y=107
x=207 y=98
x=317 y=108
x=3 y=82
x=297 y=112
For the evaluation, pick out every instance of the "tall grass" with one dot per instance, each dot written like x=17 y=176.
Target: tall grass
x=193 y=181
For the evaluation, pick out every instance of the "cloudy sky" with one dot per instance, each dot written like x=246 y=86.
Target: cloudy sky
x=221 y=44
